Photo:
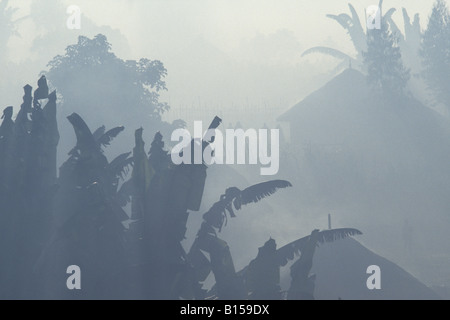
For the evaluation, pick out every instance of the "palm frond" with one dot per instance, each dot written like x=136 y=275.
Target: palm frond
x=343 y=19
x=85 y=140
x=99 y=132
x=355 y=18
x=124 y=194
x=262 y=190
x=389 y=13
x=393 y=26
x=356 y=31
x=406 y=18
x=289 y=251
x=337 y=234
x=354 y=28
x=328 y=51
x=216 y=215
x=119 y=166
x=215 y=123
x=108 y=136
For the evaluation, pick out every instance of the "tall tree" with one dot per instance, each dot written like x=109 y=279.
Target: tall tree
x=408 y=42
x=90 y=76
x=435 y=52
x=383 y=61
x=28 y=178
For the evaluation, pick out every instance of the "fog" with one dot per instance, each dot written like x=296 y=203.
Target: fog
x=371 y=150
x=217 y=53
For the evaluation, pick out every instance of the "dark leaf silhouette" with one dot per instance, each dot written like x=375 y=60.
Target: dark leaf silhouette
x=235 y=197
x=328 y=51
x=119 y=166
x=295 y=248
x=106 y=138
x=99 y=132
x=262 y=190
x=125 y=193
x=85 y=140
x=288 y=251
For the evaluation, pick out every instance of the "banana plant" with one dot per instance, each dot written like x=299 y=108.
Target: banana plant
x=409 y=42
x=207 y=240
x=357 y=35
x=88 y=160
x=262 y=276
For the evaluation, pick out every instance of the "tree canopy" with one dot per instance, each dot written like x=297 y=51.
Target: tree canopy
x=90 y=76
x=383 y=60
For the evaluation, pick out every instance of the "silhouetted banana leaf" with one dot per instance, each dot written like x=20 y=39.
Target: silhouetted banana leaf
x=394 y=28
x=288 y=251
x=261 y=190
x=125 y=192
x=355 y=18
x=388 y=15
x=107 y=137
x=328 y=51
x=343 y=19
x=353 y=27
x=215 y=123
x=119 y=166
x=407 y=21
x=234 y=196
x=85 y=139
x=99 y=132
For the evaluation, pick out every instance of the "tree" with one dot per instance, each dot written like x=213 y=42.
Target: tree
x=28 y=183
x=262 y=275
x=356 y=32
x=88 y=216
x=408 y=43
x=229 y=285
x=383 y=61
x=435 y=52
x=91 y=77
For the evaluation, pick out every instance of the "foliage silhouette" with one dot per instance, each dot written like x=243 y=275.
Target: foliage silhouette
x=104 y=80
x=408 y=43
x=221 y=262
x=383 y=61
x=79 y=217
x=435 y=52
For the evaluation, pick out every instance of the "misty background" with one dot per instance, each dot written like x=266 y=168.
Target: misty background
x=219 y=55
x=242 y=61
